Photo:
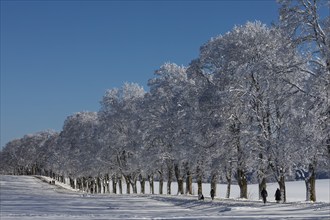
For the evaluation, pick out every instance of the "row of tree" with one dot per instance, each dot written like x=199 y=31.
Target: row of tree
x=254 y=106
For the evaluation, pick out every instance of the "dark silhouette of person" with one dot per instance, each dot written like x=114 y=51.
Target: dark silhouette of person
x=200 y=197
x=212 y=193
x=264 y=195
x=278 y=195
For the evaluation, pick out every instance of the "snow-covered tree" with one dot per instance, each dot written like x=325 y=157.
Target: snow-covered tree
x=11 y=158
x=307 y=22
x=50 y=157
x=77 y=146
x=165 y=127
x=205 y=121
x=257 y=65
x=120 y=120
x=26 y=155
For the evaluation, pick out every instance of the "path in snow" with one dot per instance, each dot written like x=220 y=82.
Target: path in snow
x=26 y=197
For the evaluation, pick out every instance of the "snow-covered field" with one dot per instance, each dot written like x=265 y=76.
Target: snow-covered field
x=26 y=197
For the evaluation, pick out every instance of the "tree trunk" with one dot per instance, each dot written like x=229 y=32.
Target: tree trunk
x=143 y=184
x=169 y=182
x=128 y=185
x=107 y=179
x=169 y=178
x=120 y=184
x=96 y=185
x=189 y=183
x=105 y=184
x=199 y=181
x=312 y=188
x=161 y=181
x=78 y=183
x=281 y=184
x=101 y=185
x=262 y=185
x=134 y=186
x=87 y=187
x=241 y=177
x=179 y=179
x=114 y=184
x=71 y=183
x=93 y=187
x=242 y=182
x=214 y=181
x=180 y=187
x=151 y=184
x=308 y=189
x=199 y=185
x=228 y=178
x=261 y=174
x=128 y=188
x=310 y=184
x=228 y=188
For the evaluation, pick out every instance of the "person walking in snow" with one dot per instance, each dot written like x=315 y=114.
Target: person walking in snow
x=212 y=193
x=278 y=195
x=264 y=195
x=201 y=197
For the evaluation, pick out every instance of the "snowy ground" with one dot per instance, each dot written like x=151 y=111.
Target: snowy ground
x=26 y=197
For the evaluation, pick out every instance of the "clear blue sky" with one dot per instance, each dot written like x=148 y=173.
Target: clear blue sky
x=59 y=57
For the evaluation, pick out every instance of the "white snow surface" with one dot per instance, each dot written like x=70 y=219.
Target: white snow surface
x=27 y=197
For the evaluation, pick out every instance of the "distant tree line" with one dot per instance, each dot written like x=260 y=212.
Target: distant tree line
x=254 y=106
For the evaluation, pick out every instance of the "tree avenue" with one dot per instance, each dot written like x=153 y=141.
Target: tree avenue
x=252 y=107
